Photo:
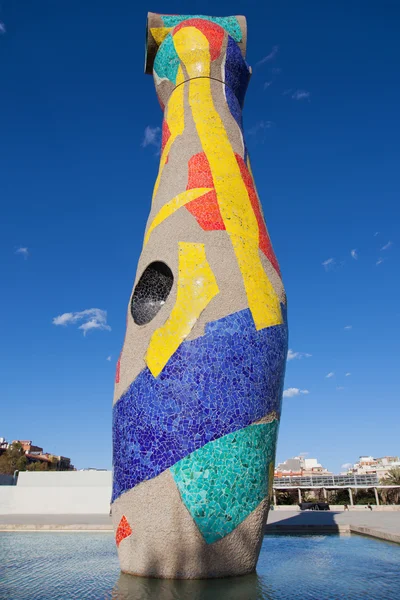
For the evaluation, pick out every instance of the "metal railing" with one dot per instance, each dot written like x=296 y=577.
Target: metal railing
x=321 y=481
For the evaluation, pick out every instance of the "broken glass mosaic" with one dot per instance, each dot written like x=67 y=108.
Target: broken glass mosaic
x=151 y=292
x=223 y=482
x=225 y=380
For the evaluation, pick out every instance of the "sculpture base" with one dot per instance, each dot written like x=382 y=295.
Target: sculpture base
x=164 y=541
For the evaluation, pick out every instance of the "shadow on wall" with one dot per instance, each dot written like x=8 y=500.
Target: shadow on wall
x=248 y=587
x=303 y=519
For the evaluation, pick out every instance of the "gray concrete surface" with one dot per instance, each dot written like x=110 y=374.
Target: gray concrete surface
x=380 y=524
x=384 y=525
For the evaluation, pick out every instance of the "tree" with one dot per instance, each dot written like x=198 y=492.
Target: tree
x=391 y=496
x=13 y=459
x=37 y=466
x=287 y=497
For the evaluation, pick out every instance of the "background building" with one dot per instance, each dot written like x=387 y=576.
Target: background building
x=368 y=465
x=298 y=466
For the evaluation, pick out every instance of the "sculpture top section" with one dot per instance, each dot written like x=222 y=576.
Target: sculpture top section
x=184 y=47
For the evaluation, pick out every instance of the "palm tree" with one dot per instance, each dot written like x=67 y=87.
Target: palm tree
x=392 y=478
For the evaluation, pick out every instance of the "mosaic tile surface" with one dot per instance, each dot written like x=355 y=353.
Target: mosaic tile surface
x=230 y=24
x=214 y=385
x=198 y=373
x=223 y=482
x=151 y=292
x=123 y=530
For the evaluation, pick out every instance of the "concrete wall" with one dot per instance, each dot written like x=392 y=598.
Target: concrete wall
x=73 y=492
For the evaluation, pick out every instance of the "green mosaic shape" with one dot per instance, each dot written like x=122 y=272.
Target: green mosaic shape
x=230 y=24
x=225 y=480
x=166 y=63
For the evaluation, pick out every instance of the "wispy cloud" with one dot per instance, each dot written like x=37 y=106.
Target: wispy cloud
x=2 y=28
x=23 y=252
x=276 y=70
x=354 y=254
x=267 y=84
x=108 y=358
x=379 y=261
x=152 y=136
x=91 y=318
x=328 y=264
x=331 y=374
x=269 y=56
x=346 y=466
x=376 y=233
x=291 y=355
x=347 y=374
x=260 y=126
x=387 y=246
x=340 y=388
x=290 y=392
x=348 y=327
x=301 y=95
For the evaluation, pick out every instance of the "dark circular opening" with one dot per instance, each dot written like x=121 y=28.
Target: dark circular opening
x=151 y=292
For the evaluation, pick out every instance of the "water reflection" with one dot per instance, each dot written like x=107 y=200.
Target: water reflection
x=248 y=587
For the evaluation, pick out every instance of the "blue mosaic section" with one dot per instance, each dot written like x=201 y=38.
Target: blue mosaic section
x=237 y=73
x=223 y=482
x=221 y=382
x=230 y=24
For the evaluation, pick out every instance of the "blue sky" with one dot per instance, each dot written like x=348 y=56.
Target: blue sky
x=78 y=160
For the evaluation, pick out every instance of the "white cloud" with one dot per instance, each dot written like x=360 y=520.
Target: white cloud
x=354 y=254
x=267 y=84
x=23 y=252
x=340 y=387
x=269 y=56
x=291 y=355
x=108 y=358
x=260 y=126
x=2 y=28
x=348 y=327
x=347 y=374
x=387 y=246
x=379 y=261
x=331 y=374
x=301 y=95
x=376 y=233
x=93 y=318
x=347 y=466
x=328 y=263
x=290 y=392
x=152 y=136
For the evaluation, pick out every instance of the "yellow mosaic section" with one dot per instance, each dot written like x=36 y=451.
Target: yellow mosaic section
x=175 y=117
x=160 y=33
x=172 y=206
x=233 y=200
x=196 y=287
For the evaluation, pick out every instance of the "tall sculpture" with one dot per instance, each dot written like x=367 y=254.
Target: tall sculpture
x=199 y=381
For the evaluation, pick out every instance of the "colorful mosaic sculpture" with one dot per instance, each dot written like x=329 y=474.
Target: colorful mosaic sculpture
x=199 y=381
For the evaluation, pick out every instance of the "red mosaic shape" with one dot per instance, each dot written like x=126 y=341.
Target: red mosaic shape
x=123 y=531
x=205 y=209
x=166 y=134
x=264 y=241
x=117 y=370
x=213 y=32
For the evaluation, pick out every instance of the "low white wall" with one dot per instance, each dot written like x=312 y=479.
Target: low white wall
x=58 y=493
x=340 y=507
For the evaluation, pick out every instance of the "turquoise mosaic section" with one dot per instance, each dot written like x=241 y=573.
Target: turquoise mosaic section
x=230 y=24
x=225 y=480
x=166 y=62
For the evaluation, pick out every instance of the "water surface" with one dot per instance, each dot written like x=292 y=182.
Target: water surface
x=80 y=566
